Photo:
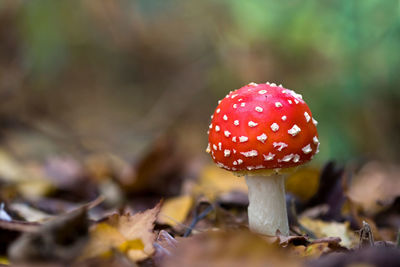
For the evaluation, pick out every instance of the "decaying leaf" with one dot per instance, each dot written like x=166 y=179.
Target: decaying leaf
x=129 y=234
x=175 y=210
x=331 y=229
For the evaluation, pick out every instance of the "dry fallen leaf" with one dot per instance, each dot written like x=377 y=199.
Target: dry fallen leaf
x=215 y=181
x=331 y=229
x=175 y=210
x=234 y=248
x=312 y=250
x=129 y=234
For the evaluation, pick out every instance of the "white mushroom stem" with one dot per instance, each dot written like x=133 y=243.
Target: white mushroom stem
x=267 y=204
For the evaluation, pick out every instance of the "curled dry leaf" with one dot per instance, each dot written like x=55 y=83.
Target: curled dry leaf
x=129 y=234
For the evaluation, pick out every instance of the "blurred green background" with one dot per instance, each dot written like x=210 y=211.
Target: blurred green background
x=113 y=76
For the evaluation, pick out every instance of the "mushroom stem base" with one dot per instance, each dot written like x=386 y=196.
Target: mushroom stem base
x=267 y=204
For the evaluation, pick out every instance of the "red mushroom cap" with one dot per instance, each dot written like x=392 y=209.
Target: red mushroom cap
x=262 y=126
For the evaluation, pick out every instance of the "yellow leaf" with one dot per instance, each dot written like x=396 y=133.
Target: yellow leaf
x=175 y=210
x=10 y=169
x=30 y=180
x=103 y=237
x=130 y=234
x=34 y=188
x=311 y=251
x=303 y=183
x=4 y=261
x=215 y=181
x=131 y=244
x=331 y=229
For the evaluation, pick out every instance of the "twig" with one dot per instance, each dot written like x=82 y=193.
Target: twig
x=366 y=237
x=198 y=218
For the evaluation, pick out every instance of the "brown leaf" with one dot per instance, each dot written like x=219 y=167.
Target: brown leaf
x=130 y=234
x=235 y=248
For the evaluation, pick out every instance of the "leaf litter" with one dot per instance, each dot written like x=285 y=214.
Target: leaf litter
x=102 y=210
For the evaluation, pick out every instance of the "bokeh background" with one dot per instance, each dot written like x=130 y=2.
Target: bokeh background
x=114 y=75
x=119 y=77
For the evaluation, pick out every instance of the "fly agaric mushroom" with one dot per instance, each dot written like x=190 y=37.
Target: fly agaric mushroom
x=261 y=131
